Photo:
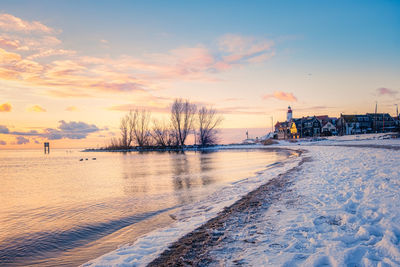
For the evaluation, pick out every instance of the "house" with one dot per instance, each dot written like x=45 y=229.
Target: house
x=328 y=129
x=309 y=126
x=382 y=122
x=354 y=124
x=282 y=130
x=328 y=125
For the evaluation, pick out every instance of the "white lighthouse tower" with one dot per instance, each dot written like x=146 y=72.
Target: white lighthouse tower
x=289 y=115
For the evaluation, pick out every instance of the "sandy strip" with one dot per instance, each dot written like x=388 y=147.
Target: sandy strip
x=193 y=249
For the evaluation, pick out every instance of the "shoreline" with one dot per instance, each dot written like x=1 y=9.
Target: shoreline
x=135 y=250
x=193 y=248
x=173 y=149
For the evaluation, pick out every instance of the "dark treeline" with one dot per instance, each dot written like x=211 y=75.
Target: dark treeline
x=138 y=129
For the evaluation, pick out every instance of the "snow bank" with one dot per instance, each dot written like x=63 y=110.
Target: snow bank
x=361 y=139
x=149 y=246
x=342 y=210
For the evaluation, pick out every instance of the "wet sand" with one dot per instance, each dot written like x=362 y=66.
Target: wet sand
x=194 y=248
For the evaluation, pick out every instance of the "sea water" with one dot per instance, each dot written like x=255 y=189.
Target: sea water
x=68 y=207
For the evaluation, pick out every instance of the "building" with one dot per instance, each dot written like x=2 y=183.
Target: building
x=289 y=114
x=354 y=124
x=298 y=128
x=328 y=129
x=282 y=129
x=382 y=122
x=309 y=127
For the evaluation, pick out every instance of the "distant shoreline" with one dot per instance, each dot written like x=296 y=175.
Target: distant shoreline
x=167 y=149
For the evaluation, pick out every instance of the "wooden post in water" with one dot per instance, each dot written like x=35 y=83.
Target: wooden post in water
x=46 y=148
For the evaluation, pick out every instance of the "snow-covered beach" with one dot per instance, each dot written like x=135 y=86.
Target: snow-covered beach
x=335 y=205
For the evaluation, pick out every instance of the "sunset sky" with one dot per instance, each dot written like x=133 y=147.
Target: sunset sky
x=70 y=69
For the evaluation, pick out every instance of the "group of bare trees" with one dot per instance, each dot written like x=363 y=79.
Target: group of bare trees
x=137 y=129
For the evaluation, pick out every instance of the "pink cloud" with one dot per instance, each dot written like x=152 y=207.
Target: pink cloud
x=9 y=43
x=386 y=91
x=8 y=57
x=40 y=60
x=281 y=96
x=11 y=23
x=239 y=49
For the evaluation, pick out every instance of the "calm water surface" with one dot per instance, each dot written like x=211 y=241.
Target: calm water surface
x=57 y=210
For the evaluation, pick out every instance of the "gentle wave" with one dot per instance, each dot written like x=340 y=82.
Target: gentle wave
x=40 y=243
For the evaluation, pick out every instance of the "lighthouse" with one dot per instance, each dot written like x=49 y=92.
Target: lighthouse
x=289 y=115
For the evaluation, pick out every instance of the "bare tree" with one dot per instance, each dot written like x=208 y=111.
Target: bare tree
x=162 y=134
x=124 y=130
x=208 y=120
x=141 y=129
x=115 y=143
x=182 y=115
x=132 y=120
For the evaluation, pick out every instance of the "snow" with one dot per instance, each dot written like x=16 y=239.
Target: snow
x=341 y=210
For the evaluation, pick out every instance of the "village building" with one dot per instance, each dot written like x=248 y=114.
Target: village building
x=310 y=127
x=382 y=122
x=328 y=129
x=298 y=128
x=314 y=126
x=354 y=124
x=282 y=129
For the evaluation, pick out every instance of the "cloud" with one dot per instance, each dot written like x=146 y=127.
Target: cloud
x=9 y=57
x=11 y=23
x=4 y=129
x=9 y=43
x=281 y=96
x=36 y=108
x=242 y=110
x=32 y=54
x=68 y=130
x=22 y=140
x=128 y=107
x=3 y=143
x=239 y=49
x=52 y=52
x=386 y=91
x=71 y=130
x=71 y=108
x=6 y=107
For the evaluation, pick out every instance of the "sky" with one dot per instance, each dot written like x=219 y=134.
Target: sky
x=69 y=70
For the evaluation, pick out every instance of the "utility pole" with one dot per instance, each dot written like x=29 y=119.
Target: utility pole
x=397 y=111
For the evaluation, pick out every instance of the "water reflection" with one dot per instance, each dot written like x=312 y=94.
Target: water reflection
x=53 y=205
x=206 y=168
